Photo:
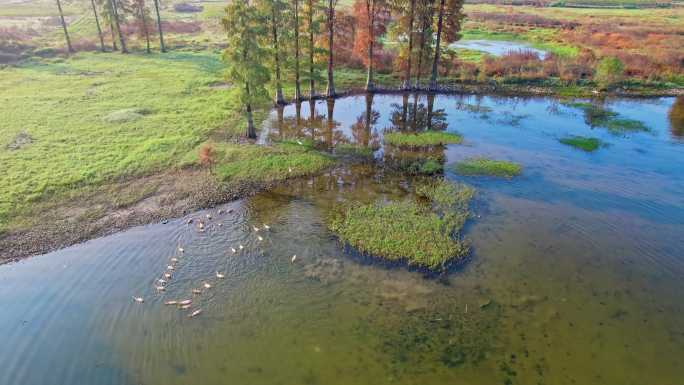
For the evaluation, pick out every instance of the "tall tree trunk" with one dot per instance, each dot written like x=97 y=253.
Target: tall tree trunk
x=312 y=89
x=111 y=28
x=414 y=118
x=280 y=111
x=412 y=16
x=162 y=48
x=97 y=23
x=298 y=115
x=115 y=14
x=298 y=91
x=144 y=25
x=331 y=29
x=64 y=26
x=312 y=118
x=251 y=131
x=421 y=53
x=435 y=62
x=274 y=31
x=370 y=10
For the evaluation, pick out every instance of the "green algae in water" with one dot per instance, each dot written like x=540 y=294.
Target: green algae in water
x=423 y=235
x=422 y=139
x=582 y=142
x=489 y=167
x=599 y=116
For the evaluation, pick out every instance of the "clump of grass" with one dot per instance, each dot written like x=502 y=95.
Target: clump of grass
x=582 y=142
x=491 y=167
x=422 y=139
x=126 y=115
x=422 y=235
x=598 y=116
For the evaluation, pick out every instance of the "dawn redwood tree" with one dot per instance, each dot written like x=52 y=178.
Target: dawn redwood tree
x=273 y=10
x=244 y=26
x=330 y=92
x=298 y=91
x=114 y=12
x=425 y=14
x=449 y=22
x=312 y=27
x=162 y=48
x=406 y=15
x=366 y=13
x=141 y=15
x=97 y=23
x=64 y=27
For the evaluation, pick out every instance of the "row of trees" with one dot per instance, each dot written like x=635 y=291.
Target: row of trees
x=292 y=34
x=113 y=14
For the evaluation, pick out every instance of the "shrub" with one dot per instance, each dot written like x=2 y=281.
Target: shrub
x=609 y=71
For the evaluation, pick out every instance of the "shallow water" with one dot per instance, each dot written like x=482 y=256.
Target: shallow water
x=575 y=277
x=497 y=47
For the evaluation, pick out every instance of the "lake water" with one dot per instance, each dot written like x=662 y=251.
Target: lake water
x=576 y=275
x=497 y=47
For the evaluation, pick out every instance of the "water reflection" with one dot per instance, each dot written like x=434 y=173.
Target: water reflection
x=676 y=117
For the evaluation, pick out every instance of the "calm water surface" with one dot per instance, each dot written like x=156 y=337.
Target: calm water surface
x=496 y=47
x=576 y=276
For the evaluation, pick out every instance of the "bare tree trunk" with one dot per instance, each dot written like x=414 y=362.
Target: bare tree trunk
x=115 y=14
x=312 y=118
x=412 y=15
x=97 y=23
x=370 y=10
x=435 y=62
x=64 y=26
x=331 y=29
x=430 y=108
x=274 y=30
x=312 y=89
x=111 y=28
x=421 y=50
x=162 y=48
x=144 y=25
x=251 y=131
x=298 y=91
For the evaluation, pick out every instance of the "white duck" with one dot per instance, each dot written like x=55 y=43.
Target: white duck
x=138 y=299
x=220 y=275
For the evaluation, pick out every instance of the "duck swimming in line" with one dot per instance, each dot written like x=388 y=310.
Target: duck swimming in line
x=171 y=303
x=294 y=257
x=160 y=288
x=170 y=267
x=241 y=247
x=174 y=259
x=220 y=275
x=183 y=307
x=181 y=250
x=196 y=291
x=195 y=313
x=233 y=250
x=185 y=302
x=207 y=286
x=267 y=227
x=256 y=229
x=138 y=299
x=260 y=238
x=167 y=275
x=161 y=281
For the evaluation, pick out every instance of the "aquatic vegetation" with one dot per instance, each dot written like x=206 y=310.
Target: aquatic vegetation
x=599 y=116
x=408 y=231
x=353 y=151
x=491 y=167
x=422 y=139
x=582 y=142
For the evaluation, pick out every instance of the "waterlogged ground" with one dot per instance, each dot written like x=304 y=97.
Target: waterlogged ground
x=496 y=47
x=575 y=277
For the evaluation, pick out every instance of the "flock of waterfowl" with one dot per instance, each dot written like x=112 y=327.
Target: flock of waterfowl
x=187 y=304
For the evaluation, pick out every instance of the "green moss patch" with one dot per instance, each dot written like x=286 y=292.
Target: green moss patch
x=426 y=235
x=582 y=142
x=422 y=139
x=599 y=116
x=490 y=167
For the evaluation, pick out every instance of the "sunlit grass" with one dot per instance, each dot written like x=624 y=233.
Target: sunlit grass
x=488 y=167
x=422 y=139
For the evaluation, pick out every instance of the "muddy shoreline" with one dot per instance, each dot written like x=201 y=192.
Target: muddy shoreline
x=176 y=193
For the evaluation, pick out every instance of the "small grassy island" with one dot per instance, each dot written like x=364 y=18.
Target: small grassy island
x=423 y=232
x=582 y=142
x=422 y=139
x=488 y=167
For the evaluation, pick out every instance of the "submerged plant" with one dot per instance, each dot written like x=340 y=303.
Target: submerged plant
x=582 y=142
x=423 y=235
x=422 y=139
x=490 y=167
